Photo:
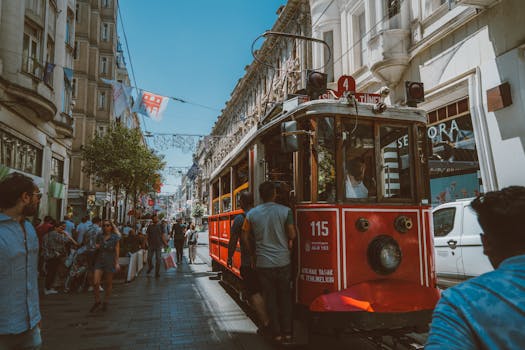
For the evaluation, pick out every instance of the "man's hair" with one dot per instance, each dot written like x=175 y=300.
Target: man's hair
x=12 y=187
x=266 y=190
x=84 y=218
x=246 y=200
x=354 y=168
x=95 y=220
x=47 y=218
x=501 y=215
x=59 y=223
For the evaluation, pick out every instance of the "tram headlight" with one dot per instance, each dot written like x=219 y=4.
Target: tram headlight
x=384 y=255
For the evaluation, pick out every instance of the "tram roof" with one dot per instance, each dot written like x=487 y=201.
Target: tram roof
x=323 y=107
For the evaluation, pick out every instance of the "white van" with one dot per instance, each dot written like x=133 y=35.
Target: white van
x=457 y=243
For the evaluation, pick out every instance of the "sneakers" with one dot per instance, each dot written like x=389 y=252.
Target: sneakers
x=50 y=291
x=90 y=289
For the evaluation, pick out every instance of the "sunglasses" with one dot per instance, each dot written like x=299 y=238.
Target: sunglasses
x=38 y=194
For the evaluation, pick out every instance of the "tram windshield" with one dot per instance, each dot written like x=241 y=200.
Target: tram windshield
x=359 y=160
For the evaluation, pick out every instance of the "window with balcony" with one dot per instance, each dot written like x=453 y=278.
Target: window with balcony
x=76 y=48
x=104 y=35
x=70 y=27
x=35 y=8
x=104 y=65
x=359 y=33
x=52 y=19
x=106 y=3
x=74 y=88
x=31 y=62
x=77 y=13
x=57 y=170
x=50 y=58
x=102 y=100
x=430 y=6
x=393 y=9
x=66 y=97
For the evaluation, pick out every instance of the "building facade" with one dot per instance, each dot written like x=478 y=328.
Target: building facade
x=470 y=55
x=279 y=70
x=36 y=124
x=95 y=57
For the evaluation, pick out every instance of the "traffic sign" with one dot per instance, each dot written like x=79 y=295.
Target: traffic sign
x=345 y=83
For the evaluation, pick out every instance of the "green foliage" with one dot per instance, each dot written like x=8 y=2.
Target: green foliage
x=120 y=159
x=197 y=211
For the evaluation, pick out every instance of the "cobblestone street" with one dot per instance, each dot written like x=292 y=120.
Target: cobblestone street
x=183 y=309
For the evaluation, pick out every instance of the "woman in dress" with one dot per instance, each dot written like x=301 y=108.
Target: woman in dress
x=193 y=236
x=106 y=262
x=54 y=250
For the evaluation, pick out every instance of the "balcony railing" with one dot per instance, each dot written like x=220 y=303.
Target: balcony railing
x=33 y=66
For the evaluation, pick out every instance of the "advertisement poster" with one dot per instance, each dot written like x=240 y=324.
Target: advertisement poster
x=450 y=188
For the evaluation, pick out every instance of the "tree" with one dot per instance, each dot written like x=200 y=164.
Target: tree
x=120 y=159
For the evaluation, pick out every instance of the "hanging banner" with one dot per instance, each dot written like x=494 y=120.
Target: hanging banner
x=151 y=105
x=68 y=73
x=121 y=96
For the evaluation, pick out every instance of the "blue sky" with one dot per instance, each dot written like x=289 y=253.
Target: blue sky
x=194 y=50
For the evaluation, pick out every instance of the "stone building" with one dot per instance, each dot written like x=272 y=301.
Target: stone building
x=470 y=55
x=36 y=124
x=279 y=70
x=96 y=57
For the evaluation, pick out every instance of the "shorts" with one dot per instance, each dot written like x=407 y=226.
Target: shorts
x=105 y=263
x=252 y=284
x=90 y=258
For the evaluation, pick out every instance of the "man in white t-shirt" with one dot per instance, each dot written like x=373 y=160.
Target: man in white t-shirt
x=354 y=187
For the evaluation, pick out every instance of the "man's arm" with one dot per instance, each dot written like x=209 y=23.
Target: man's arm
x=449 y=329
x=235 y=234
x=246 y=238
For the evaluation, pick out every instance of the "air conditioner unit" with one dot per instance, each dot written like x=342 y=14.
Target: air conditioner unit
x=477 y=3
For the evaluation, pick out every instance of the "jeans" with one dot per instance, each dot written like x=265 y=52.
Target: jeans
x=51 y=271
x=179 y=244
x=277 y=294
x=28 y=340
x=157 y=252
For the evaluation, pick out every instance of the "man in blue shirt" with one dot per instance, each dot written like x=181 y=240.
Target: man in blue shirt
x=488 y=312
x=19 y=305
x=252 y=285
x=272 y=228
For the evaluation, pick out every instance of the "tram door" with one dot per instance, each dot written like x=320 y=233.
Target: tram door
x=279 y=168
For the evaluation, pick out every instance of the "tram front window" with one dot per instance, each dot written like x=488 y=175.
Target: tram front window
x=359 y=160
x=395 y=162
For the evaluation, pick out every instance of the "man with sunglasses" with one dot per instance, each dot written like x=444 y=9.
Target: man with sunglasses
x=488 y=312
x=19 y=306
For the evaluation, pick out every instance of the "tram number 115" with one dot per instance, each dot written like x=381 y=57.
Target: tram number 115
x=319 y=228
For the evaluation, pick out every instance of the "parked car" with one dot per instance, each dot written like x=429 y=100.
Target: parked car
x=457 y=243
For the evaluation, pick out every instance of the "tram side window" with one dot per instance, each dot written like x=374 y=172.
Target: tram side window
x=215 y=197
x=359 y=159
x=326 y=159
x=396 y=174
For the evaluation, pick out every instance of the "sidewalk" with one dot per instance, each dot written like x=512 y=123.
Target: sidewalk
x=183 y=309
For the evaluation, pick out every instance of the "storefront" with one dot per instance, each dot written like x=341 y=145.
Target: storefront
x=454 y=162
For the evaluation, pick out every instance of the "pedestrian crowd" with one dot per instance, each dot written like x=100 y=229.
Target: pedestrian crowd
x=67 y=257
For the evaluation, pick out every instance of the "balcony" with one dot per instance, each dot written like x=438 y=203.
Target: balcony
x=388 y=52
x=63 y=125
x=477 y=3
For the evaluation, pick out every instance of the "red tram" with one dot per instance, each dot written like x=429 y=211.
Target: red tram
x=357 y=180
